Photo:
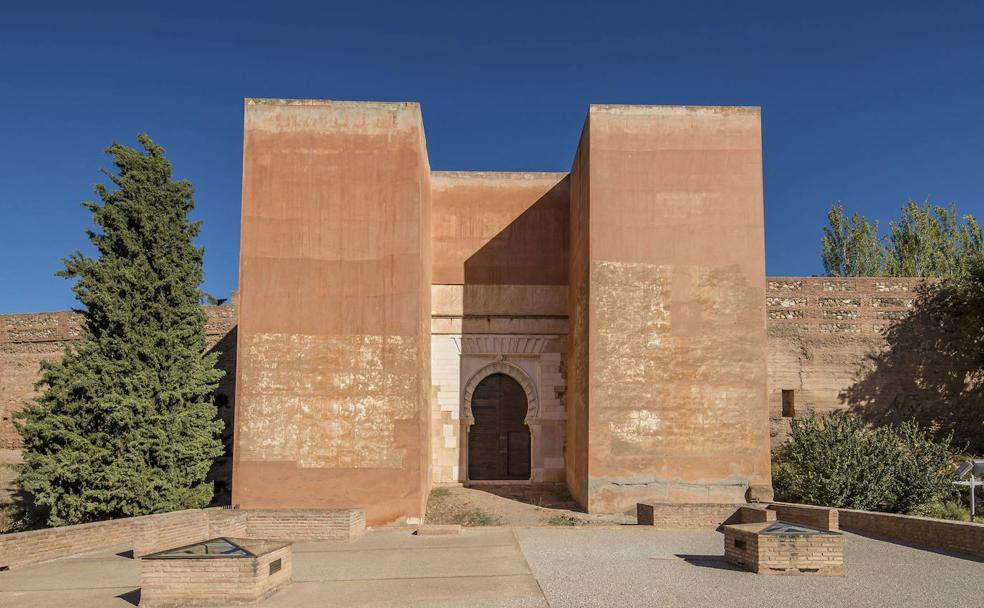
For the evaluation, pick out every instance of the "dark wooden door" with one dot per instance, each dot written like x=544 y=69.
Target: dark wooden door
x=499 y=440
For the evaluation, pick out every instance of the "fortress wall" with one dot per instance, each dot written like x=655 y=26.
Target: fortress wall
x=675 y=324
x=335 y=276
x=823 y=334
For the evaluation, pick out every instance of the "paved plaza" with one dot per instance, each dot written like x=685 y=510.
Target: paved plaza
x=515 y=567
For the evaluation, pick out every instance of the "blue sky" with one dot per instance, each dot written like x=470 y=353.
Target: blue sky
x=869 y=103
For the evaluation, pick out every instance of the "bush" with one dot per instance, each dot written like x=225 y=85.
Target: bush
x=943 y=510
x=840 y=461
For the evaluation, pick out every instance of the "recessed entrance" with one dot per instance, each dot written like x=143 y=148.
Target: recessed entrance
x=499 y=440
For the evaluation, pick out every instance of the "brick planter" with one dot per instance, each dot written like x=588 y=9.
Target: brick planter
x=784 y=549
x=216 y=572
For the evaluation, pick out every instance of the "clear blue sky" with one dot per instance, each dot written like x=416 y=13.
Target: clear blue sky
x=870 y=103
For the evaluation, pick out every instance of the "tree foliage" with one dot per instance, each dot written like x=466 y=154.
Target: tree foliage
x=930 y=241
x=125 y=423
x=841 y=461
x=850 y=246
x=926 y=241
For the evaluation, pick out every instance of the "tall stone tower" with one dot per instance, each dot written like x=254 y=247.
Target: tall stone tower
x=667 y=340
x=334 y=329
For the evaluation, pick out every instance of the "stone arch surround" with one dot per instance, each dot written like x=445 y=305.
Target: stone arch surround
x=509 y=369
x=544 y=414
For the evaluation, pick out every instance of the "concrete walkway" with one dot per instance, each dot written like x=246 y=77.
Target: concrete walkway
x=538 y=567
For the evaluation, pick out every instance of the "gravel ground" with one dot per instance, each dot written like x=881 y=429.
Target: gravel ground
x=453 y=504
x=633 y=566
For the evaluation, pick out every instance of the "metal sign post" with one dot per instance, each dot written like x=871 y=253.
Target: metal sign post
x=971 y=470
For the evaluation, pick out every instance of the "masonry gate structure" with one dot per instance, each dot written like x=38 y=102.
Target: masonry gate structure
x=626 y=298
x=399 y=326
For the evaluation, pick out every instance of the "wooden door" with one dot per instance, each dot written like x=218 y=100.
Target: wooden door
x=499 y=440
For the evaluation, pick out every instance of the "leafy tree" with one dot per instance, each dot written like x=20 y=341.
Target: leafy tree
x=930 y=241
x=927 y=241
x=840 y=461
x=850 y=246
x=125 y=423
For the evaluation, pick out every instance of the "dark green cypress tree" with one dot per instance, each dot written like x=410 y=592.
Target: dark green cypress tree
x=125 y=423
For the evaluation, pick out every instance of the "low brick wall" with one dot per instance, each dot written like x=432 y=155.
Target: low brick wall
x=23 y=548
x=305 y=524
x=227 y=522
x=822 y=518
x=959 y=536
x=169 y=530
x=152 y=533
x=692 y=516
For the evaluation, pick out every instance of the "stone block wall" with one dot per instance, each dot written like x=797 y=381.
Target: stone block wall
x=823 y=332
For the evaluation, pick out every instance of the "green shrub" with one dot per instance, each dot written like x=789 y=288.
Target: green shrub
x=840 y=461
x=923 y=469
x=951 y=509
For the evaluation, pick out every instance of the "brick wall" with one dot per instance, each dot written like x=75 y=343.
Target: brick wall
x=37 y=546
x=305 y=524
x=963 y=537
x=227 y=522
x=676 y=516
x=152 y=533
x=144 y=534
x=170 y=530
x=821 y=518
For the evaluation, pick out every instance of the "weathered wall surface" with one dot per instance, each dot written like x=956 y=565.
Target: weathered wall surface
x=676 y=337
x=872 y=346
x=335 y=274
x=499 y=228
x=499 y=300
x=578 y=291
x=28 y=339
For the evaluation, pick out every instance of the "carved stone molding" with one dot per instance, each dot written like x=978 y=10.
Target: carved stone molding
x=503 y=345
x=513 y=371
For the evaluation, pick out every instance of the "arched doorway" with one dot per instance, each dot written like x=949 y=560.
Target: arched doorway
x=499 y=440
